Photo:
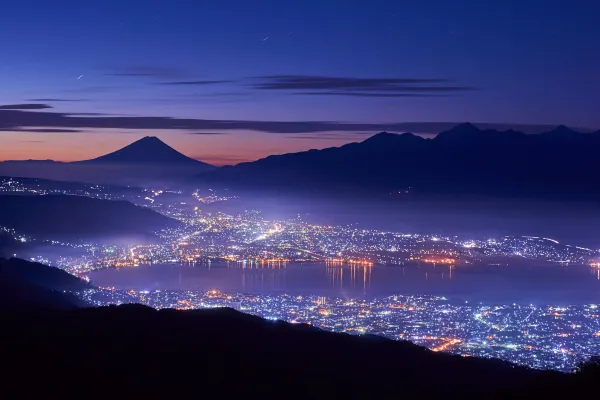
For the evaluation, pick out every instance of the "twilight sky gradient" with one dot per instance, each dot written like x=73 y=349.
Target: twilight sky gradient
x=309 y=64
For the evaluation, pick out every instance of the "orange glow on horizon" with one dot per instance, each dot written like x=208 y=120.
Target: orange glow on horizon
x=225 y=149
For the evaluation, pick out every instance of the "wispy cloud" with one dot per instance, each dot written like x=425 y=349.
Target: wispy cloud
x=208 y=133
x=96 y=89
x=220 y=160
x=146 y=71
x=331 y=136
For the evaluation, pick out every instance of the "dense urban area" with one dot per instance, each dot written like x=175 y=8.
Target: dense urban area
x=549 y=336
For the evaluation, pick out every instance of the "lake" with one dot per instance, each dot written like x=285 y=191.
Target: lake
x=558 y=285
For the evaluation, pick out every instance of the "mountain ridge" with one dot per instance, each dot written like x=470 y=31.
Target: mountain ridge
x=464 y=159
x=149 y=149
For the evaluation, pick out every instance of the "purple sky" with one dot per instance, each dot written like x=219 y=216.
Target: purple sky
x=368 y=65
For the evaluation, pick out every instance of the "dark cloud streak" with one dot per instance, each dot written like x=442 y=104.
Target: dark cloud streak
x=56 y=100
x=192 y=83
x=357 y=87
x=34 y=106
x=50 y=130
x=20 y=119
x=328 y=82
x=359 y=94
x=41 y=130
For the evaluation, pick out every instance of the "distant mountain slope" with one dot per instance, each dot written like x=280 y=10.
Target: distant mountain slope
x=12 y=184
x=148 y=161
x=135 y=350
x=75 y=217
x=42 y=183
x=148 y=150
x=25 y=285
x=41 y=275
x=464 y=160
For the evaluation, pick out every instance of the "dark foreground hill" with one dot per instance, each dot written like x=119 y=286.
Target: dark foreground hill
x=75 y=217
x=137 y=351
x=50 y=347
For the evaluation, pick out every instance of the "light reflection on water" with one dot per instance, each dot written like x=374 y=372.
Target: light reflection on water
x=525 y=285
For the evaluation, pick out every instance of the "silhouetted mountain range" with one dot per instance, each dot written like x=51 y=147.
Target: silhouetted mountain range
x=464 y=160
x=144 y=162
x=75 y=217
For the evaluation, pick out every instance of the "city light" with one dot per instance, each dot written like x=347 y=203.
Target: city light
x=552 y=336
x=522 y=334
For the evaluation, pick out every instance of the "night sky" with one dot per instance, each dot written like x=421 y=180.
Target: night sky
x=333 y=71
